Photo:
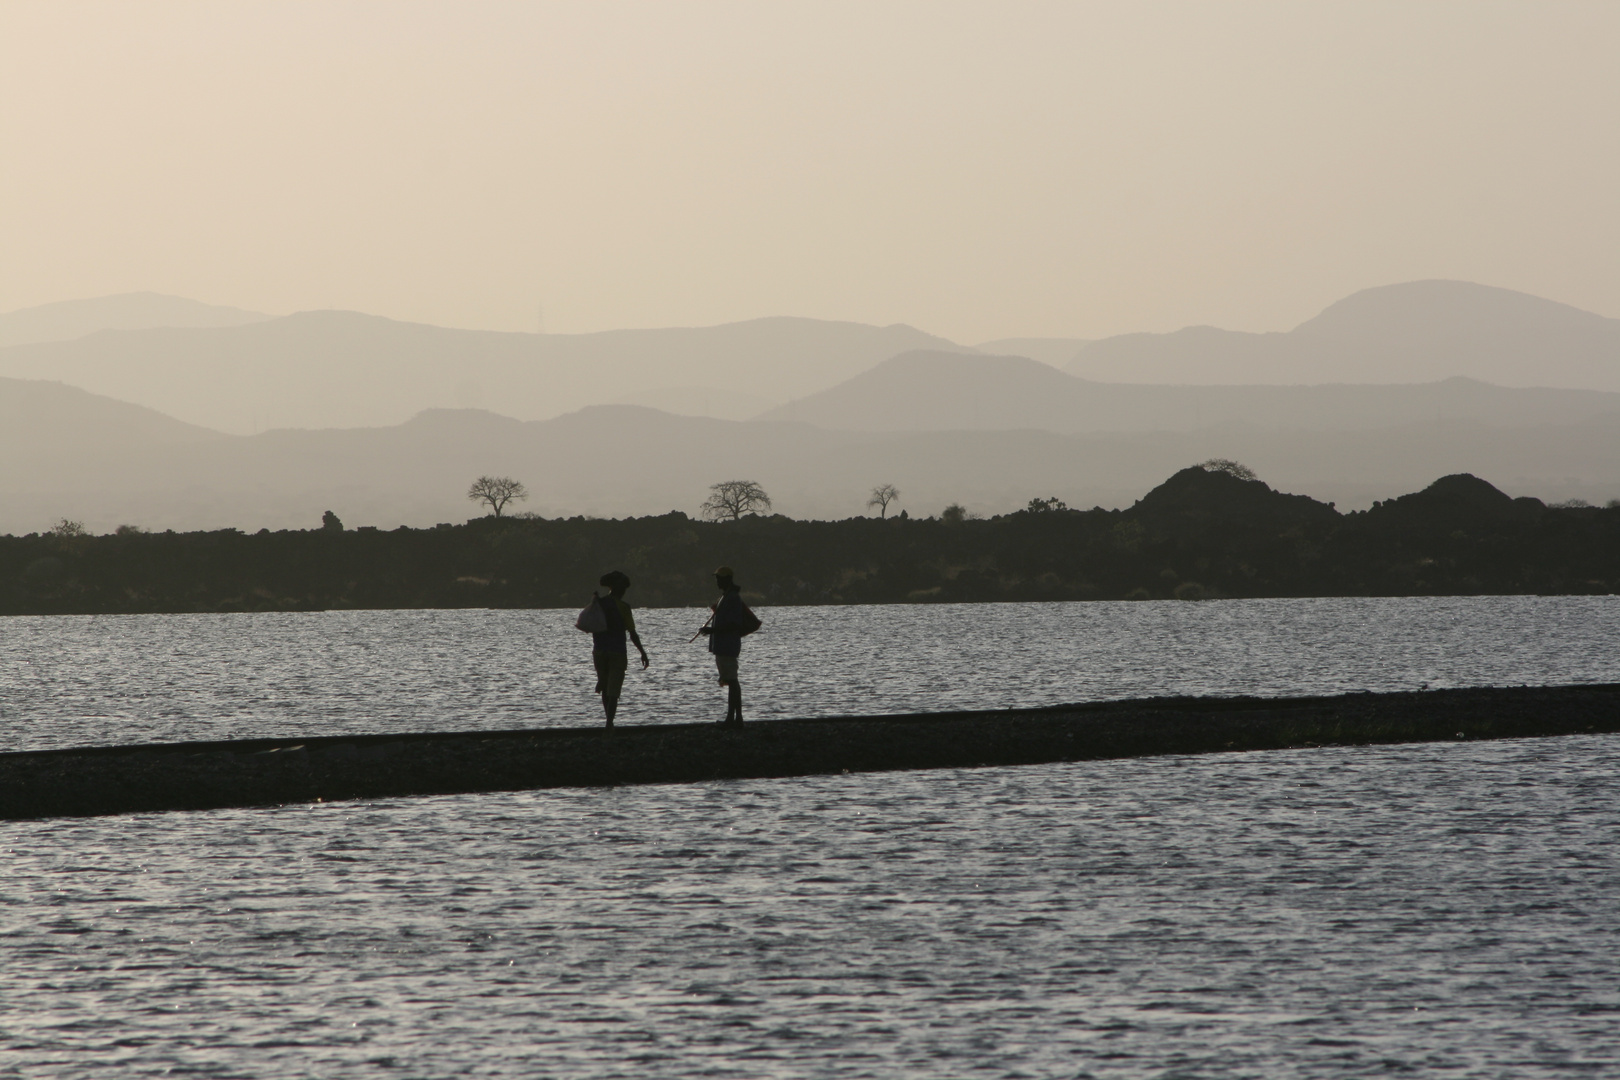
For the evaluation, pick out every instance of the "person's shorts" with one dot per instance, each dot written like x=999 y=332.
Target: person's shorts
x=727 y=666
x=610 y=668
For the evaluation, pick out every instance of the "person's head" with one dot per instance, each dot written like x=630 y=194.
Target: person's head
x=615 y=581
x=722 y=577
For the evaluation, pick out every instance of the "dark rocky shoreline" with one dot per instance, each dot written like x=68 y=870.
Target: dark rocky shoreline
x=268 y=772
x=1200 y=535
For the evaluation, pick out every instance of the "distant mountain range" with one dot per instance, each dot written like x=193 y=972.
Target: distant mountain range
x=1058 y=352
x=933 y=391
x=321 y=369
x=1420 y=331
x=243 y=372
x=70 y=319
x=165 y=427
x=46 y=424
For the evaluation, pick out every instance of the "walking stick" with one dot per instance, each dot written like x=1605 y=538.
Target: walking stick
x=699 y=633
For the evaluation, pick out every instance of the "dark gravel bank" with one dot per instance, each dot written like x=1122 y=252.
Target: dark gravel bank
x=199 y=776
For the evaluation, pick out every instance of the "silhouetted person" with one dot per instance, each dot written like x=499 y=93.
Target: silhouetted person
x=730 y=622
x=608 y=649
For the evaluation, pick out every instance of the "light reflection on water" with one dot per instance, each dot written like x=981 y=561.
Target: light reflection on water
x=1345 y=911
x=68 y=681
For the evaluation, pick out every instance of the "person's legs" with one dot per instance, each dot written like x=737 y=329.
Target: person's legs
x=727 y=667
x=610 y=668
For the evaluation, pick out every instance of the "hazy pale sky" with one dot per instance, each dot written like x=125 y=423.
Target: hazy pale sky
x=978 y=170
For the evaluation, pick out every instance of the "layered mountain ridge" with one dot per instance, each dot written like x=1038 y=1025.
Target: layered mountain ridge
x=931 y=391
x=1418 y=331
x=318 y=369
x=386 y=422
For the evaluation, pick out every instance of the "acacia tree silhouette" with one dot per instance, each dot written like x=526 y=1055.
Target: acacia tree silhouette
x=731 y=499
x=882 y=496
x=497 y=491
x=1229 y=467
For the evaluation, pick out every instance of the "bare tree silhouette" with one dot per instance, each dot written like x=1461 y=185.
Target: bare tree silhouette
x=731 y=499
x=497 y=491
x=882 y=496
x=1228 y=466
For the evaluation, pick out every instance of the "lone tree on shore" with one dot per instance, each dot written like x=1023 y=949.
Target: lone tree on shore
x=497 y=491
x=731 y=499
x=882 y=496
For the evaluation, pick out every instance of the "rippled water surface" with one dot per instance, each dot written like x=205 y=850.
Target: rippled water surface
x=1431 y=910
x=67 y=681
x=1425 y=910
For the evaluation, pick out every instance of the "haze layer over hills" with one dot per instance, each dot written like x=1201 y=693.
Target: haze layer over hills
x=933 y=391
x=242 y=372
x=1419 y=331
x=127 y=465
x=1058 y=352
x=319 y=369
x=70 y=319
x=166 y=440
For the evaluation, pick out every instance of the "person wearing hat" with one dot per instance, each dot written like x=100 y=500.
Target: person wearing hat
x=608 y=650
x=725 y=631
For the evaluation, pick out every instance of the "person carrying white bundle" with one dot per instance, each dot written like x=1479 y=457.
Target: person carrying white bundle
x=609 y=621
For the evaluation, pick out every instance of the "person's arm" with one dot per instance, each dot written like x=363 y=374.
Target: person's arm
x=630 y=627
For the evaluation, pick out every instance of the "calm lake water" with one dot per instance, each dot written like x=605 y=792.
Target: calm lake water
x=69 y=681
x=1439 y=909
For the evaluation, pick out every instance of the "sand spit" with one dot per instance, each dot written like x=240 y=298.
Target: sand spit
x=267 y=772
